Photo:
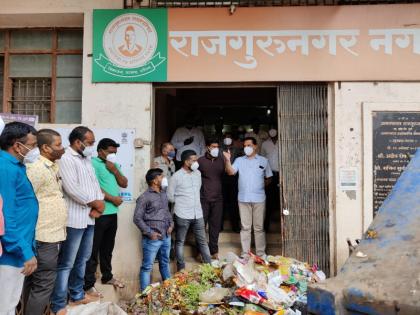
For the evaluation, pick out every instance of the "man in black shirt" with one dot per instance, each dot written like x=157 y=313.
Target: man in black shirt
x=212 y=168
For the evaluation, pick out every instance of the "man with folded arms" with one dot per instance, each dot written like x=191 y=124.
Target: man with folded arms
x=85 y=202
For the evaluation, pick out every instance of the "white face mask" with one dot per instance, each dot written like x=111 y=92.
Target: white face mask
x=272 y=133
x=195 y=166
x=88 y=150
x=227 y=141
x=164 y=183
x=2 y=124
x=214 y=152
x=112 y=157
x=248 y=150
x=31 y=156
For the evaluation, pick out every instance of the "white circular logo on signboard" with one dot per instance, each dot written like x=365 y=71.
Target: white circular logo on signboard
x=130 y=40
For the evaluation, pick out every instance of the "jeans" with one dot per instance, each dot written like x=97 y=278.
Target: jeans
x=182 y=226
x=103 y=246
x=39 y=286
x=151 y=250
x=74 y=254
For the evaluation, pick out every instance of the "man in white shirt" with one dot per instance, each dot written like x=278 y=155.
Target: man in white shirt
x=184 y=190
x=84 y=200
x=270 y=150
x=254 y=174
x=188 y=137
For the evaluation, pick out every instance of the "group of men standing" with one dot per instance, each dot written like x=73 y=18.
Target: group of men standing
x=195 y=194
x=60 y=208
x=60 y=214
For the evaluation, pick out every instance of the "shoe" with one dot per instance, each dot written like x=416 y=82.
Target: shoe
x=93 y=292
x=116 y=283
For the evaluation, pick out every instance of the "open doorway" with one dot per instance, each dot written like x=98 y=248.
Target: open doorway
x=299 y=224
x=218 y=111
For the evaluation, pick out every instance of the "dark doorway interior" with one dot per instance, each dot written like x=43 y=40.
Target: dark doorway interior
x=217 y=111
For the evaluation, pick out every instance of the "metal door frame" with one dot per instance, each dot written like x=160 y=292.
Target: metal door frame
x=331 y=175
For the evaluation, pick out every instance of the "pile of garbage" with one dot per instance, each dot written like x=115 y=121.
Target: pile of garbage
x=251 y=286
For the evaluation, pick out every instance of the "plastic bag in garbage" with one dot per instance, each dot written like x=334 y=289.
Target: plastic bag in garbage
x=279 y=296
x=230 y=257
x=214 y=295
x=320 y=275
x=275 y=278
x=246 y=273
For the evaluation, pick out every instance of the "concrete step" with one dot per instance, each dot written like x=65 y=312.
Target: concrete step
x=275 y=226
x=232 y=237
x=235 y=247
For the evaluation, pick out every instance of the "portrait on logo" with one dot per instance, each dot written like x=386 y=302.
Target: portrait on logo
x=130 y=45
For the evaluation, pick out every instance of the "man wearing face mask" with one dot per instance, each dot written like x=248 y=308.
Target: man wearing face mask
x=20 y=210
x=254 y=174
x=111 y=179
x=52 y=220
x=270 y=150
x=84 y=200
x=212 y=168
x=166 y=160
x=153 y=218
x=184 y=190
x=188 y=138
x=166 y=163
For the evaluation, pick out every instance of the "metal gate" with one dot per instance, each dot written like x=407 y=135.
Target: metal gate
x=303 y=136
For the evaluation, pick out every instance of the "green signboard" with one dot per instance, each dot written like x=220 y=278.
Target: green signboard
x=130 y=45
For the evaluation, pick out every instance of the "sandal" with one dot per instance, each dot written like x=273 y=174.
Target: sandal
x=93 y=292
x=116 y=283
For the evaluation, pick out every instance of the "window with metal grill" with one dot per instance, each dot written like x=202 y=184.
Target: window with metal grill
x=42 y=71
x=32 y=96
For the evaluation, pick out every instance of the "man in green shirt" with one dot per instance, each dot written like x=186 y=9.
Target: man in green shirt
x=111 y=180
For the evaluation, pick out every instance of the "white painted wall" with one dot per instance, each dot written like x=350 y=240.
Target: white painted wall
x=351 y=219
x=103 y=106
x=130 y=106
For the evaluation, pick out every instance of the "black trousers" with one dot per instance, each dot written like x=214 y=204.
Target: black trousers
x=213 y=214
x=103 y=246
x=38 y=287
x=230 y=201
x=273 y=200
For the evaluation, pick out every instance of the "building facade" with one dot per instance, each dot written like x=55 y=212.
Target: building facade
x=365 y=126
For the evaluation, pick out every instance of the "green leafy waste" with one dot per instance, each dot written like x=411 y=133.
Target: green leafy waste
x=191 y=292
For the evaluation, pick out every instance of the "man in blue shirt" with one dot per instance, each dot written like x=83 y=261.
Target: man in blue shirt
x=18 y=143
x=254 y=174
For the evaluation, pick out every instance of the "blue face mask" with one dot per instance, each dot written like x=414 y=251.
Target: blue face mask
x=171 y=155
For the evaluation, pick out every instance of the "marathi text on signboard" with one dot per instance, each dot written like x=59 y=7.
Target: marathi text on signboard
x=257 y=44
x=396 y=137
